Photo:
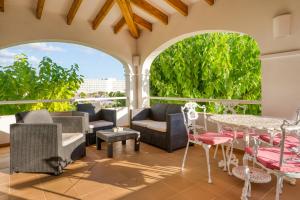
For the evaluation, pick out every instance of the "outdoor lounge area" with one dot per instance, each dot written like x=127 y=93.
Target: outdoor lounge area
x=210 y=110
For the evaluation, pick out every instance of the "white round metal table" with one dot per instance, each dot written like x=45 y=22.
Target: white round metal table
x=247 y=123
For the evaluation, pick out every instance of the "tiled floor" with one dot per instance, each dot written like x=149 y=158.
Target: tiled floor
x=149 y=174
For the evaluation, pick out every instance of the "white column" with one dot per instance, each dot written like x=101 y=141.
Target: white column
x=144 y=90
x=131 y=90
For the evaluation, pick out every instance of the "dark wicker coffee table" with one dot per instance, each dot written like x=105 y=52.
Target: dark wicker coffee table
x=110 y=137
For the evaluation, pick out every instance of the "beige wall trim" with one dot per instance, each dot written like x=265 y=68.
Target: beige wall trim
x=276 y=55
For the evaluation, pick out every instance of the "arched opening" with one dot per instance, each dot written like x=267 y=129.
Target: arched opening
x=211 y=65
x=58 y=71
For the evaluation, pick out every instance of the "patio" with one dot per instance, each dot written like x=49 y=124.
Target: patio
x=149 y=174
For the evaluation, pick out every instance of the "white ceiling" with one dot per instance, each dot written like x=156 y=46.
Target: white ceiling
x=89 y=9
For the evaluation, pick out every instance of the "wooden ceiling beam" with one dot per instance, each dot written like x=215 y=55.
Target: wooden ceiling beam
x=128 y=16
x=73 y=10
x=142 y=22
x=39 y=8
x=119 y=25
x=102 y=13
x=210 y=2
x=1 y=5
x=151 y=10
x=178 y=5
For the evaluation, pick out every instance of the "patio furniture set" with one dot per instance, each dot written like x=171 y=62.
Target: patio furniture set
x=280 y=154
x=48 y=142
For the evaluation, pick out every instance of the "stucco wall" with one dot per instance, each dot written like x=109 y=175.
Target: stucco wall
x=280 y=86
x=250 y=17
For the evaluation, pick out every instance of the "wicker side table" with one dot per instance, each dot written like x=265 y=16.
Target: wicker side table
x=110 y=137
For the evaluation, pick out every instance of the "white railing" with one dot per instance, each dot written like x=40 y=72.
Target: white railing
x=61 y=100
x=225 y=101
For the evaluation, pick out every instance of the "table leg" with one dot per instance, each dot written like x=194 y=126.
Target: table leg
x=137 y=144
x=110 y=149
x=98 y=143
x=123 y=142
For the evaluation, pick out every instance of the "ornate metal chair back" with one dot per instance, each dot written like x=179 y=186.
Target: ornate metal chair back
x=289 y=128
x=191 y=116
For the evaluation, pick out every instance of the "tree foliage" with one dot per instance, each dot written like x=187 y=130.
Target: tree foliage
x=212 y=65
x=21 y=81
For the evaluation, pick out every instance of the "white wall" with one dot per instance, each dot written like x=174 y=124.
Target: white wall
x=281 y=86
x=5 y=122
x=251 y=17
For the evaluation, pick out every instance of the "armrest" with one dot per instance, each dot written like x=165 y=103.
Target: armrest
x=70 y=124
x=139 y=114
x=109 y=115
x=37 y=136
x=86 y=119
x=35 y=147
x=175 y=124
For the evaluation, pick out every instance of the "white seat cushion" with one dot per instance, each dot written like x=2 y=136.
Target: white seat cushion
x=142 y=123
x=68 y=138
x=151 y=124
x=100 y=123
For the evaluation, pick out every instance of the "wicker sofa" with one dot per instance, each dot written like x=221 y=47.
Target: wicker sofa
x=40 y=142
x=161 y=125
x=97 y=119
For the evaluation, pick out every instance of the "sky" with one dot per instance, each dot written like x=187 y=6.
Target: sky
x=92 y=62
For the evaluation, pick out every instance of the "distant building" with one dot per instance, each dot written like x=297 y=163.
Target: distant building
x=102 y=85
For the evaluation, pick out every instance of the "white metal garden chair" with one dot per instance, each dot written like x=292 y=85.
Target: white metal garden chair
x=274 y=138
x=230 y=108
x=198 y=134
x=283 y=161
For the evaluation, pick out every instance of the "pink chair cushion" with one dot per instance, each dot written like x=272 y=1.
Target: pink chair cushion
x=239 y=134
x=211 y=138
x=290 y=141
x=270 y=156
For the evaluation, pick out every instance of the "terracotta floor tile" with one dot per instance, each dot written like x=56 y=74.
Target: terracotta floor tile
x=149 y=174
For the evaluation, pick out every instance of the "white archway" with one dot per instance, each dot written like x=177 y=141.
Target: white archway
x=144 y=79
x=127 y=67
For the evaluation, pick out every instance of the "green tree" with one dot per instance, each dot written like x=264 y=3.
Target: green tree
x=21 y=81
x=120 y=102
x=212 y=65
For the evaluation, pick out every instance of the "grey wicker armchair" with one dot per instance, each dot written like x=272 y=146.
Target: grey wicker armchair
x=97 y=119
x=44 y=143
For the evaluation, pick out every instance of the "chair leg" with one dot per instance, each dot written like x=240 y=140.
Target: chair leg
x=185 y=154
x=246 y=192
x=278 y=187
x=281 y=185
x=206 y=148
x=229 y=159
x=216 y=151
x=224 y=157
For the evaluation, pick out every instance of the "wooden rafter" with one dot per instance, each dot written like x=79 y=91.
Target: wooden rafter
x=210 y=2
x=178 y=5
x=128 y=16
x=102 y=13
x=119 y=25
x=1 y=5
x=39 y=8
x=73 y=10
x=151 y=10
x=142 y=22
